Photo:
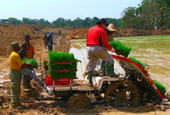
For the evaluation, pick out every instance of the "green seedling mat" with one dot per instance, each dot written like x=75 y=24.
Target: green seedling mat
x=137 y=61
x=120 y=47
x=31 y=61
x=45 y=65
x=54 y=58
x=160 y=87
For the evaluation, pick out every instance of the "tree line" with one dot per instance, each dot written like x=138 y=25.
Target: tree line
x=149 y=15
x=60 y=22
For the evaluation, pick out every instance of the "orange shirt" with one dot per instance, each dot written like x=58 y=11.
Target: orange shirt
x=30 y=52
x=15 y=61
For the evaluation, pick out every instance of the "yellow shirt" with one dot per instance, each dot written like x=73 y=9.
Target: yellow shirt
x=15 y=61
x=30 y=52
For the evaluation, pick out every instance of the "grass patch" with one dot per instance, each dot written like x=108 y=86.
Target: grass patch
x=159 y=43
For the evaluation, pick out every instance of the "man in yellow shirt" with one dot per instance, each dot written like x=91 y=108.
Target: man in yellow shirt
x=15 y=65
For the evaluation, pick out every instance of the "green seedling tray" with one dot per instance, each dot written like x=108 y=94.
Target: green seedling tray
x=120 y=47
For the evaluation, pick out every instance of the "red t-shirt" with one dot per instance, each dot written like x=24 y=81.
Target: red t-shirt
x=97 y=36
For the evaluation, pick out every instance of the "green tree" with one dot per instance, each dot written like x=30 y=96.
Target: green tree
x=43 y=22
x=3 y=21
x=129 y=18
x=60 y=22
x=12 y=20
x=78 y=22
x=155 y=13
x=29 y=21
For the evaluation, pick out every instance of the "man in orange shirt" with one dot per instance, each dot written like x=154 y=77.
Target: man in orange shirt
x=30 y=51
x=15 y=65
x=29 y=54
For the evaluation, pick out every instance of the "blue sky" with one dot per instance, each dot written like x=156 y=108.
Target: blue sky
x=68 y=9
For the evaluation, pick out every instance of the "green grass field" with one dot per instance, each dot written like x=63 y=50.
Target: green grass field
x=158 y=43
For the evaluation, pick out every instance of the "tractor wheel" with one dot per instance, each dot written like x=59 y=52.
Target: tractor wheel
x=132 y=93
x=79 y=101
x=123 y=92
x=65 y=97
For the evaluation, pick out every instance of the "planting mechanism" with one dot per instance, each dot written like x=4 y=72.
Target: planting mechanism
x=135 y=87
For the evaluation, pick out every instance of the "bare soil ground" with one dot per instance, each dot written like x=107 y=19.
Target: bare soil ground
x=38 y=102
x=81 y=33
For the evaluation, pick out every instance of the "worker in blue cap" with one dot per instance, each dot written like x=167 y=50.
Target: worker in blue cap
x=50 y=41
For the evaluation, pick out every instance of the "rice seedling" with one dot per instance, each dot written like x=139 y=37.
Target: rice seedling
x=120 y=47
x=31 y=61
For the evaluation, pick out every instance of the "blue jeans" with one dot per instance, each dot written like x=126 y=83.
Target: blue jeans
x=50 y=46
x=31 y=73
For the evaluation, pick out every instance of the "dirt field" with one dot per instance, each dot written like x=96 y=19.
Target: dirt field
x=81 y=33
x=39 y=102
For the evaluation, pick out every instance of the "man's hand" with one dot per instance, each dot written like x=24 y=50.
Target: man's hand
x=112 y=50
x=106 y=48
x=29 y=66
x=36 y=67
x=117 y=53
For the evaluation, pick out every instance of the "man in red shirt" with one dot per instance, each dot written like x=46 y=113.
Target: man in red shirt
x=96 y=38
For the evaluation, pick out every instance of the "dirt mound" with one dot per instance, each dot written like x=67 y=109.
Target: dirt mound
x=35 y=91
x=61 y=44
x=79 y=101
x=79 y=33
x=132 y=32
x=126 y=32
x=11 y=33
x=36 y=27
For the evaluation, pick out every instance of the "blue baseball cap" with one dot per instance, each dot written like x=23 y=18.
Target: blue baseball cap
x=51 y=32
